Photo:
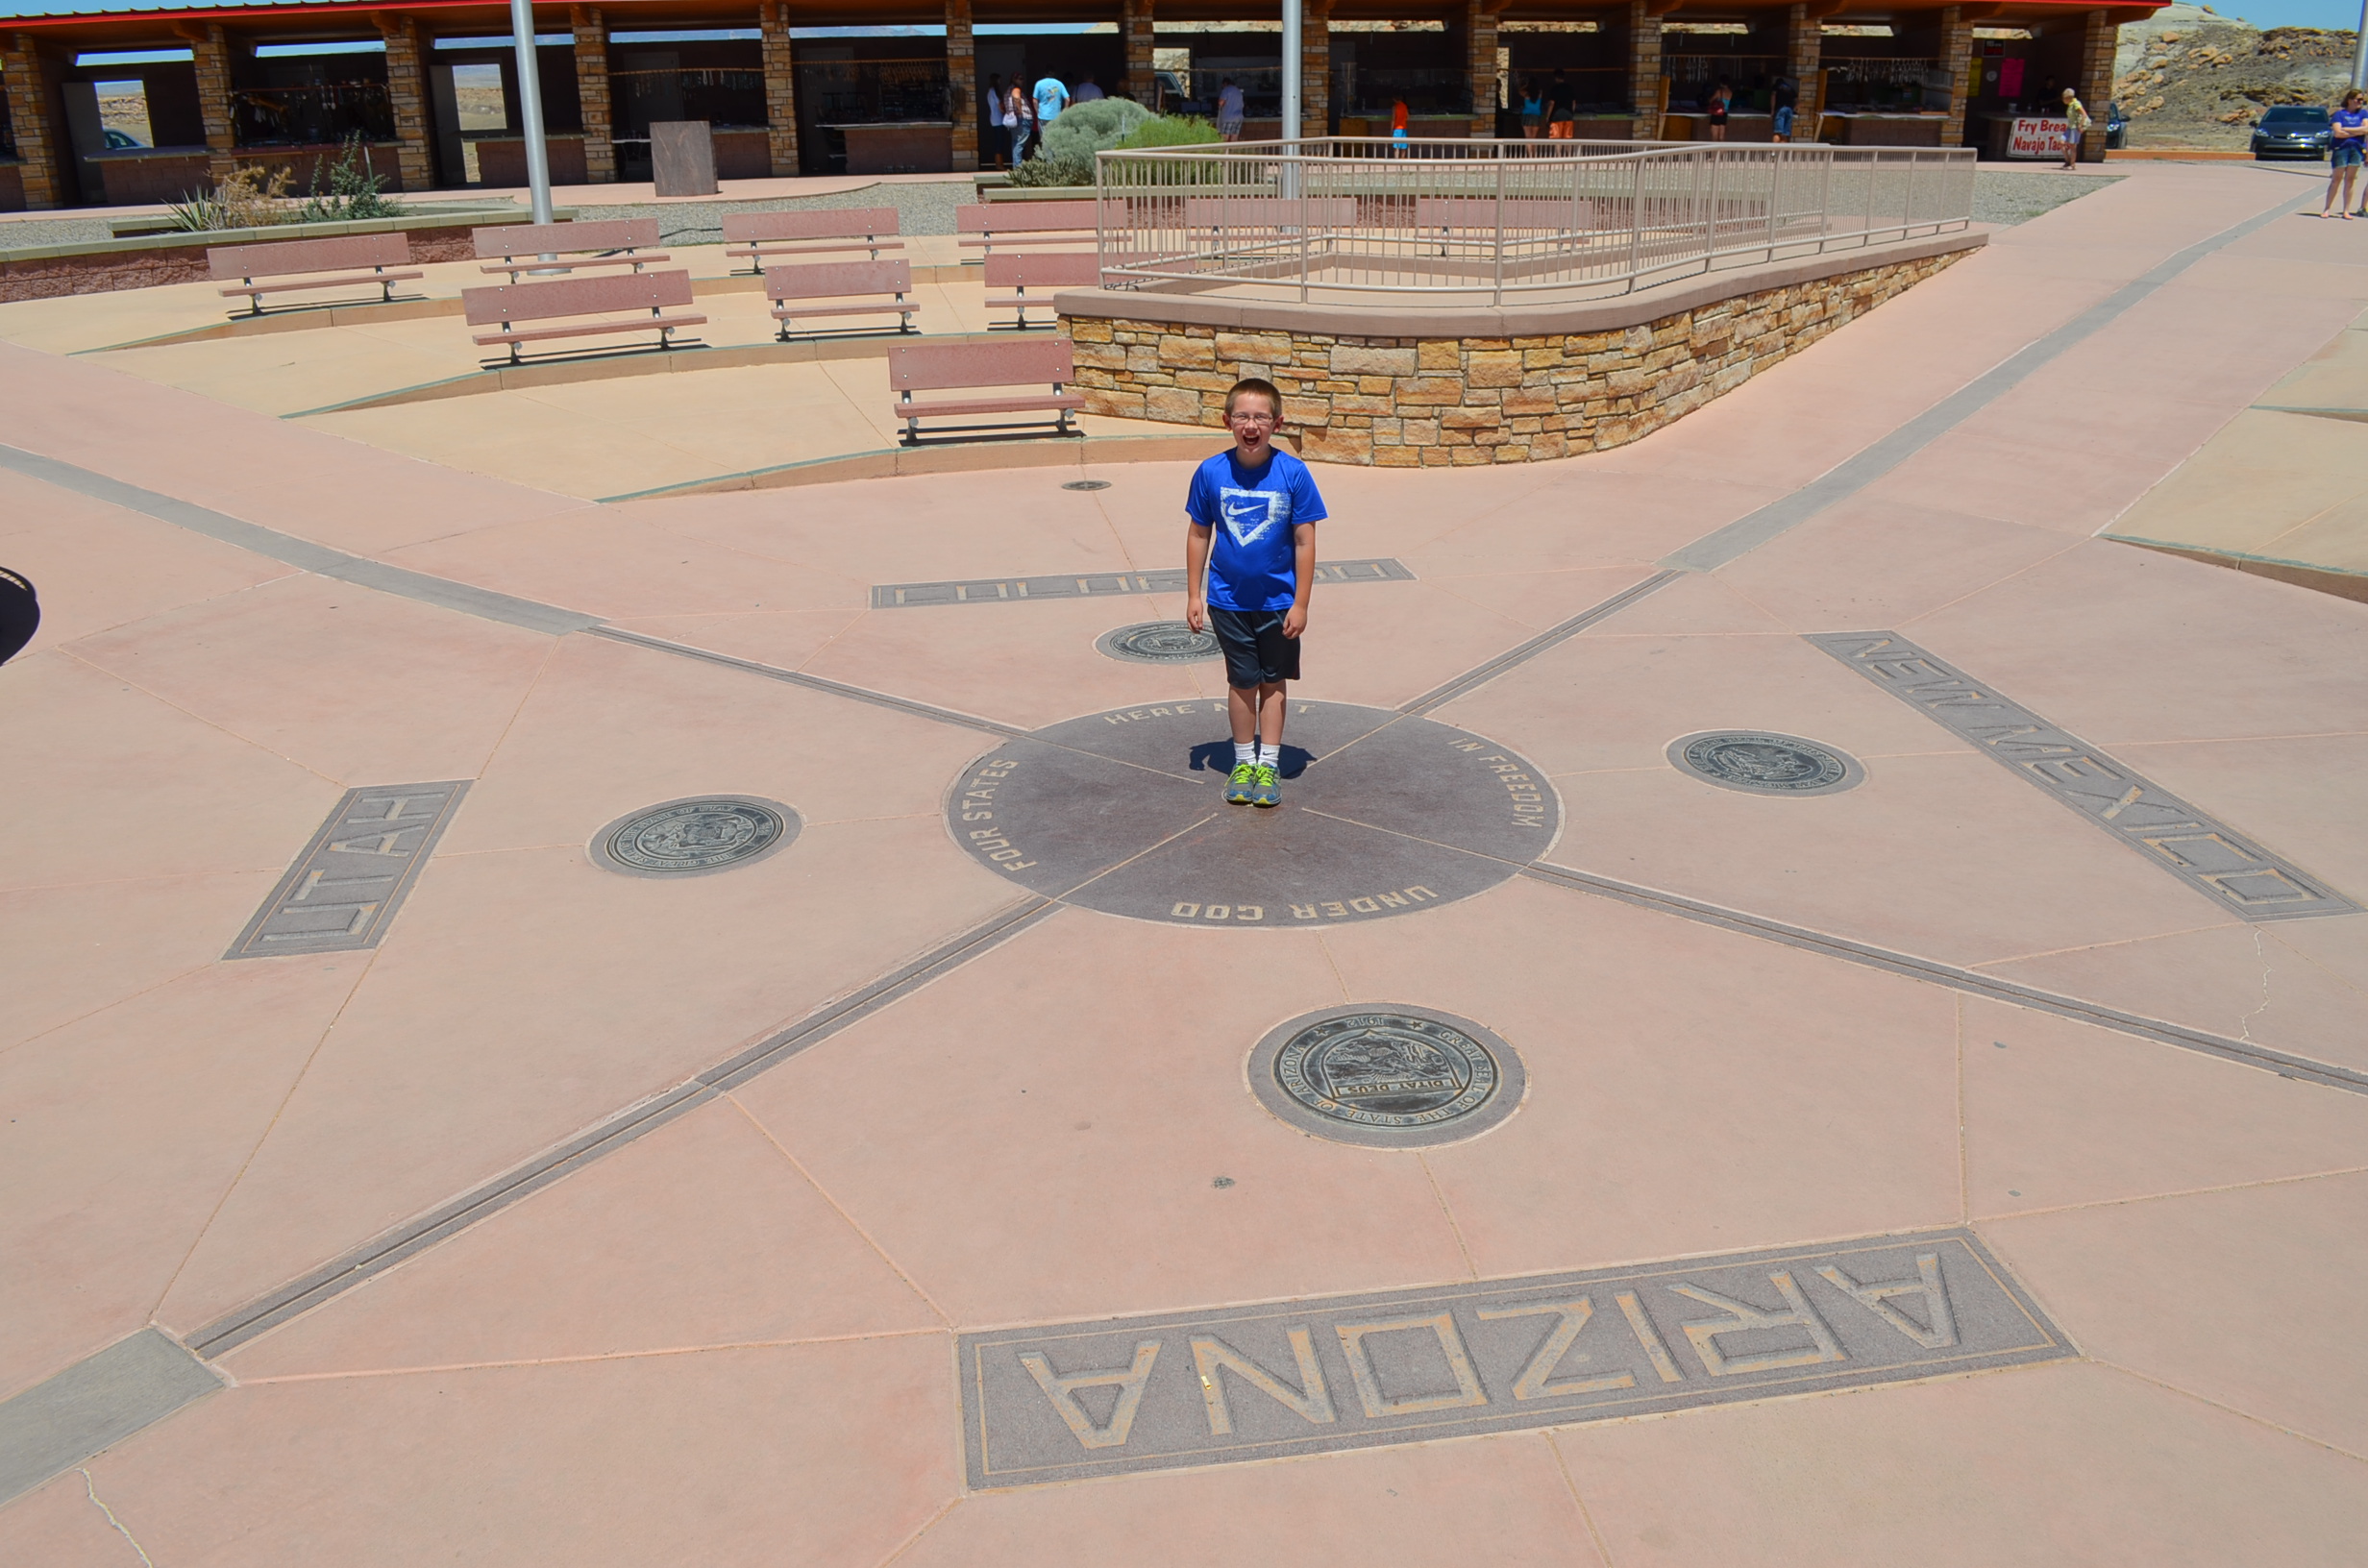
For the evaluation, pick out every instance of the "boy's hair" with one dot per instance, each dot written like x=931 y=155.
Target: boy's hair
x=1260 y=386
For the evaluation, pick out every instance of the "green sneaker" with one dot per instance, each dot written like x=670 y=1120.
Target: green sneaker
x=1241 y=789
x=1270 y=789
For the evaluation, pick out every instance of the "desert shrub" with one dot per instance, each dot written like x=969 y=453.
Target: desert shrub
x=1091 y=126
x=355 y=189
x=250 y=198
x=1164 y=131
x=1068 y=160
x=1054 y=169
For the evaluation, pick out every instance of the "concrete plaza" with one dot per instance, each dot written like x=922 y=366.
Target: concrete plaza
x=1963 y=1163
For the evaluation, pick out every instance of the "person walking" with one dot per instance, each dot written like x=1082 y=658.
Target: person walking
x=2347 y=148
x=1715 y=108
x=1785 y=97
x=1401 y=129
x=1023 y=118
x=1562 y=108
x=2076 y=124
x=1052 y=97
x=994 y=137
x=1532 y=111
x=1249 y=564
x=1229 y=110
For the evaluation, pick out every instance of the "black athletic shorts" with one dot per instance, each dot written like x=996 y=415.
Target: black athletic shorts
x=1257 y=653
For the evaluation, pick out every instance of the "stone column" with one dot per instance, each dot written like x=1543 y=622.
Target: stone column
x=2100 y=36
x=1480 y=19
x=1956 y=59
x=211 y=50
x=406 y=96
x=32 y=119
x=780 y=86
x=1135 y=37
x=1645 y=68
x=1315 y=67
x=1804 y=44
x=962 y=84
x=599 y=148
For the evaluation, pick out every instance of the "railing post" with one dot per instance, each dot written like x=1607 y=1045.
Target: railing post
x=1775 y=182
x=1906 y=200
x=1292 y=168
x=1498 y=296
x=1710 y=211
x=1825 y=198
x=1636 y=225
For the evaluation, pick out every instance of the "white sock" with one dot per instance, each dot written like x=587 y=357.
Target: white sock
x=1245 y=752
x=1270 y=756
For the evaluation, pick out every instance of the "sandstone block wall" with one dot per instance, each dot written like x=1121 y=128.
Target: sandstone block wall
x=1415 y=403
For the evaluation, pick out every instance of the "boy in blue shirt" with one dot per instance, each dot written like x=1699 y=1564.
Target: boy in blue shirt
x=1250 y=563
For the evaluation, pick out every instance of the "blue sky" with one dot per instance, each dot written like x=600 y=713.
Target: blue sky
x=2338 y=13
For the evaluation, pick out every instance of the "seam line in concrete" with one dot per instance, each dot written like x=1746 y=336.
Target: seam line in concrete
x=816 y=683
x=322 y=560
x=102 y=1399
x=1870 y=463
x=2242 y=1052
x=388 y=1248
x=1480 y=674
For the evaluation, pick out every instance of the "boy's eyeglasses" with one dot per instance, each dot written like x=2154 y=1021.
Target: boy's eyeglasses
x=1251 y=419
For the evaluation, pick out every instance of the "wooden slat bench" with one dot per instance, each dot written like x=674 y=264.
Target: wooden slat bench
x=793 y=292
x=1044 y=271
x=759 y=235
x=609 y=242
x=1018 y=225
x=568 y=300
x=974 y=367
x=352 y=259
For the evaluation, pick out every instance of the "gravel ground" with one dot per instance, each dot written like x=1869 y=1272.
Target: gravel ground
x=21 y=232
x=2003 y=199
x=921 y=209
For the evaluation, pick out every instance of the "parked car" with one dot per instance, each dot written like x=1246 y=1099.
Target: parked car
x=118 y=140
x=2291 y=131
x=2116 y=126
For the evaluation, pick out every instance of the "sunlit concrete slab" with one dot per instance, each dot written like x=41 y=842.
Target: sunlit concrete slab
x=1948 y=1174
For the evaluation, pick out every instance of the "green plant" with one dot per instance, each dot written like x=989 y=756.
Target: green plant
x=1164 y=131
x=1088 y=128
x=1054 y=169
x=355 y=190
x=1111 y=125
x=248 y=199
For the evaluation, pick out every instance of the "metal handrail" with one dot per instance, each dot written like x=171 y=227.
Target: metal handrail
x=1480 y=222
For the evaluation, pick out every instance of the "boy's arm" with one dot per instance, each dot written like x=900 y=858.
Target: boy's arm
x=1303 y=565
x=1196 y=574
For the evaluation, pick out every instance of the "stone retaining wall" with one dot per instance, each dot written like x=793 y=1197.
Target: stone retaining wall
x=1426 y=401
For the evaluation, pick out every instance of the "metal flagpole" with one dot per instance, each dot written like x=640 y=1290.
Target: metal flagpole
x=1292 y=17
x=530 y=110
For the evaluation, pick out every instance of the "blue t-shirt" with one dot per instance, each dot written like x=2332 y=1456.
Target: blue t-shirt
x=2351 y=119
x=1051 y=98
x=1252 y=513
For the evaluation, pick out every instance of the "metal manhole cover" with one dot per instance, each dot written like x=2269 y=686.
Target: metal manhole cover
x=1158 y=642
x=1087 y=484
x=1760 y=763
x=703 y=833
x=1388 y=1077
